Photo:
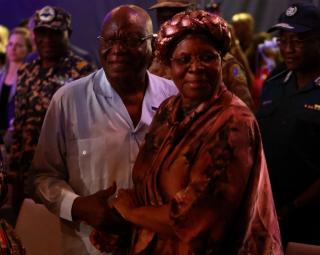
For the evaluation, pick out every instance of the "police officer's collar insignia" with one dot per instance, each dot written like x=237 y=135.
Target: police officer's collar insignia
x=317 y=81
x=292 y=10
x=315 y=107
x=266 y=102
x=47 y=14
x=287 y=77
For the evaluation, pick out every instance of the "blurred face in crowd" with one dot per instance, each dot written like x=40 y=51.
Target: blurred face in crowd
x=196 y=69
x=244 y=30
x=51 y=44
x=299 y=50
x=125 y=44
x=17 y=48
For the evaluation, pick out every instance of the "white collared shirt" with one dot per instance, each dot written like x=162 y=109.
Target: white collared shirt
x=88 y=141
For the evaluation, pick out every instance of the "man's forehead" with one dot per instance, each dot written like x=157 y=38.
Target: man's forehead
x=284 y=33
x=125 y=14
x=127 y=19
x=123 y=27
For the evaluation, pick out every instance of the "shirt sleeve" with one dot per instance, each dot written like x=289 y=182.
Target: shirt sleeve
x=236 y=81
x=48 y=181
x=21 y=103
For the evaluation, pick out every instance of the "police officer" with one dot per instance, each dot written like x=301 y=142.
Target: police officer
x=289 y=117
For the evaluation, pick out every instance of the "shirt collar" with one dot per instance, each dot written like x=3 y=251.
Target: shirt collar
x=316 y=81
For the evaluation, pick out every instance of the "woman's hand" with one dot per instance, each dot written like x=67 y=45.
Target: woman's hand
x=124 y=203
x=103 y=241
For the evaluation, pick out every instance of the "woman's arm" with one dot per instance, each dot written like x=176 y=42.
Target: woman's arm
x=156 y=219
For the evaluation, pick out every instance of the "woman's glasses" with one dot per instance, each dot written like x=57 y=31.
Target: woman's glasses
x=202 y=59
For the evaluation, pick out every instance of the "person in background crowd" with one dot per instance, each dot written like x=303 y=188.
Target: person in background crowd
x=98 y=124
x=165 y=9
x=234 y=75
x=4 y=34
x=243 y=25
x=289 y=117
x=29 y=23
x=18 y=47
x=38 y=81
x=214 y=6
x=264 y=55
x=201 y=184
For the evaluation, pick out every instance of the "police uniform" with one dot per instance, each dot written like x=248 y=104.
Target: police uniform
x=290 y=126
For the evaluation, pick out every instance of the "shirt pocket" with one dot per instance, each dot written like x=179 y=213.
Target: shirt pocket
x=267 y=108
x=85 y=160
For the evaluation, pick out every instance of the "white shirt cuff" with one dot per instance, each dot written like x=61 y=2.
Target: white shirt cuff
x=66 y=205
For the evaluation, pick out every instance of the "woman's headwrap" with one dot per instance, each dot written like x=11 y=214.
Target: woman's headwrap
x=192 y=22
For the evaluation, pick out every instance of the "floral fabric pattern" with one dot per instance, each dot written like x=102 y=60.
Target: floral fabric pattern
x=210 y=167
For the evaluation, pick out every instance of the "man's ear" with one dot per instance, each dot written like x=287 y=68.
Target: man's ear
x=153 y=48
x=153 y=40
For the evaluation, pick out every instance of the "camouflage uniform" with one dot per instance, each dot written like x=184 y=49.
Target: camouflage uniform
x=234 y=77
x=35 y=88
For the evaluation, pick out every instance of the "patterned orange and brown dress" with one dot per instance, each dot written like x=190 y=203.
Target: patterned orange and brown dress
x=209 y=166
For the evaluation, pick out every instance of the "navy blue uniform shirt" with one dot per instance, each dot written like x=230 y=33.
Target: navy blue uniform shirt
x=289 y=120
x=290 y=125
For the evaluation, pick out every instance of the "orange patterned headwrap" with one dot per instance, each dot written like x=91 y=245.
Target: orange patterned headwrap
x=199 y=21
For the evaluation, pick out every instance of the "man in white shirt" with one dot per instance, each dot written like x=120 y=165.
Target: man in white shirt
x=94 y=126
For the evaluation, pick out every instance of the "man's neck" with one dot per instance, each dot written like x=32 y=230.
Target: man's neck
x=132 y=94
x=52 y=62
x=128 y=87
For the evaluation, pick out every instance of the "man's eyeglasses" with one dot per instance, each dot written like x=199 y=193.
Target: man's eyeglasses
x=129 y=42
x=294 y=42
x=203 y=59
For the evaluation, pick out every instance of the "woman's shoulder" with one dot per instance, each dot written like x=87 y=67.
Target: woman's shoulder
x=239 y=111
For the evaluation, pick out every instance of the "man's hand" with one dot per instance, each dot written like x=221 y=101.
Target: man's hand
x=94 y=209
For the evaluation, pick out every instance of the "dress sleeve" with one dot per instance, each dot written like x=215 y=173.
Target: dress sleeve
x=49 y=175
x=218 y=180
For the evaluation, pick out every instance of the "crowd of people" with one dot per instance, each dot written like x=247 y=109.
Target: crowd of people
x=206 y=145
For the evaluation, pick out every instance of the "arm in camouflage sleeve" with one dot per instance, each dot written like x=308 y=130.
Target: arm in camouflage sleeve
x=21 y=103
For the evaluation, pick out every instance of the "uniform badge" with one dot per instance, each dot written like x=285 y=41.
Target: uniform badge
x=292 y=10
x=47 y=14
x=235 y=71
